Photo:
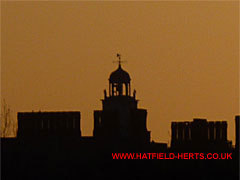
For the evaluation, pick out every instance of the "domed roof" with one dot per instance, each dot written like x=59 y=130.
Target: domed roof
x=119 y=76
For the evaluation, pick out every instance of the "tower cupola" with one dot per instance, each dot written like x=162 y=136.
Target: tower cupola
x=119 y=81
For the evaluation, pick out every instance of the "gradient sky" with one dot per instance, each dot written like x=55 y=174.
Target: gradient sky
x=183 y=58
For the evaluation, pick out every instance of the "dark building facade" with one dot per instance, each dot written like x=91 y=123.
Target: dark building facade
x=119 y=123
x=237 y=119
x=120 y=120
x=200 y=134
x=40 y=124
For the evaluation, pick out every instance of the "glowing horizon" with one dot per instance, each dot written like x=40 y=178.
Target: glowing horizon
x=182 y=57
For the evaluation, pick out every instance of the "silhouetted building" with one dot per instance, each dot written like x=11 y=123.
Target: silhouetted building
x=40 y=124
x=119 y=127
x=120 y=120
x=237 y=119
x=200 y=134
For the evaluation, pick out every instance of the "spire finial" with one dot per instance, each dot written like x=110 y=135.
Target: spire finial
x=119 y=60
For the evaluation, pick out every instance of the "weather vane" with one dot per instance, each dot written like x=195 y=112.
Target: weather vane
x=119 y=59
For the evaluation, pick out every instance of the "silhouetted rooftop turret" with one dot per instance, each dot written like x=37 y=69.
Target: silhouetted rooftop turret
x=119 y=76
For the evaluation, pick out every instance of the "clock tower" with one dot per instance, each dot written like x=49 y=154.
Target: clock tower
x=120 y=120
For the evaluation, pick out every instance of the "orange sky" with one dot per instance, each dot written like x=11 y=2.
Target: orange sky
x=183 y=58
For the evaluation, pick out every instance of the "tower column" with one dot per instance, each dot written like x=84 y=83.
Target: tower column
x=129 y=89
x=110 y=90
x=126 y=92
